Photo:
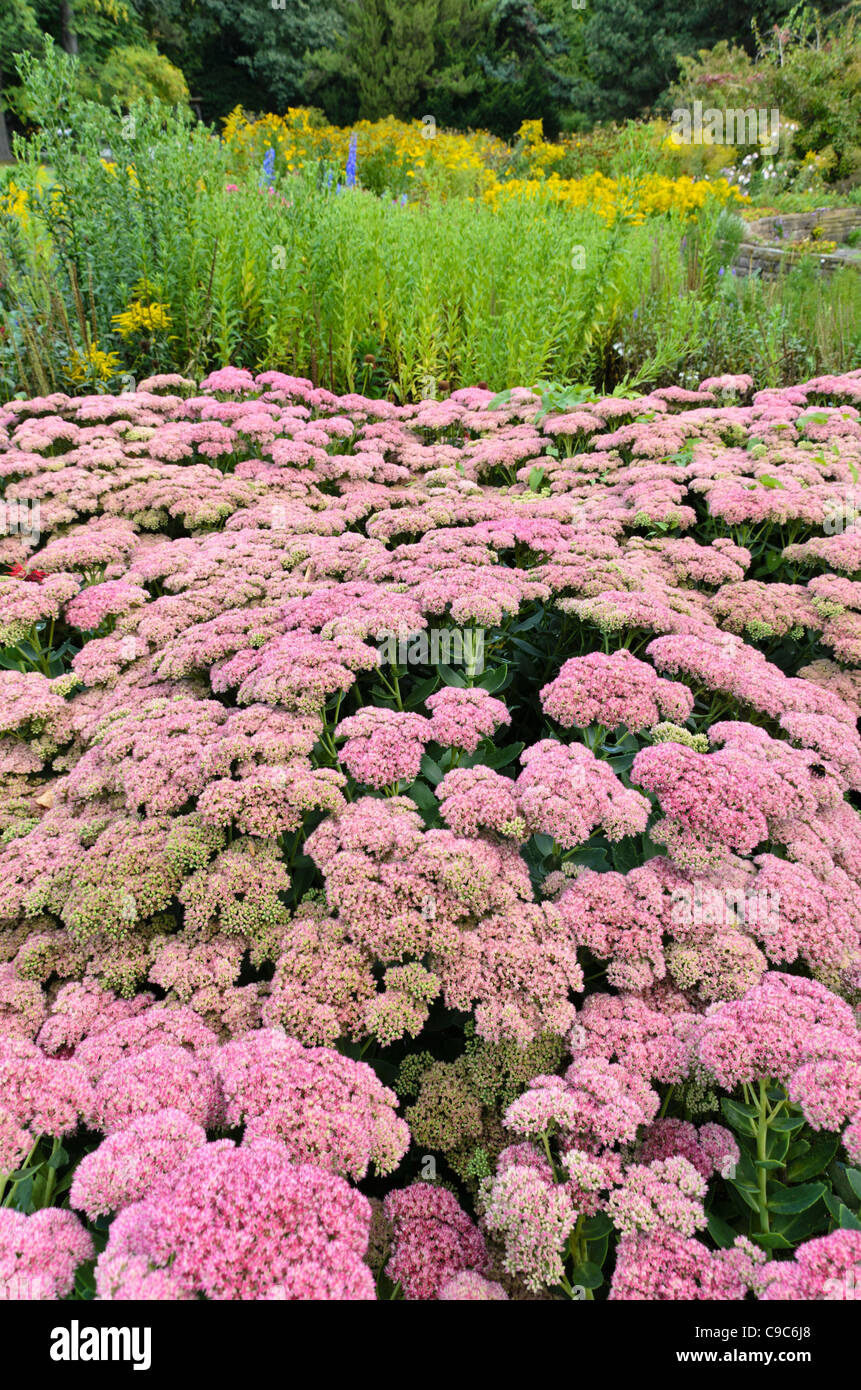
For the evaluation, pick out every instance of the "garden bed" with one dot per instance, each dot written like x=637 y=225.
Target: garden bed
x=430 y=848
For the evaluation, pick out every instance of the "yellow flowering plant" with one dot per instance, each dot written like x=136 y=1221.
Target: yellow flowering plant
x=142 y=318
x=475 y=164
x=92 y=364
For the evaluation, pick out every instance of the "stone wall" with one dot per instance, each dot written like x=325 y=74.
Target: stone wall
x=836 y=223
x=768 y=252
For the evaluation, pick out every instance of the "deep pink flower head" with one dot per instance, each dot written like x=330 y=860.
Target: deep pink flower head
x=40 y=1253
x=241 y=1223
x=828 y=1267
x=710 y=1149
x=433 y=1239
x=667 y=1266
x=852 y=1140
x=129 y=1162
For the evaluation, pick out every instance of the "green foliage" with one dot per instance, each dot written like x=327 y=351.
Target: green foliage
x=810 y=72
x=650 y=38
x=786 y=1186
x=361 y=293
x=268 y=41
x=478 y=63
x=133 y=74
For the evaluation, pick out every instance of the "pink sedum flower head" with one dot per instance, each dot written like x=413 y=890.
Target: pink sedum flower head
x=323 y=1107
x=566 y=792
x=383 y=747
x=129 y=1162
x=666 y=1266
x=161 y=1078
x=462 y=717
x=39 y=1254
x=596 y=1102
x=44 y=1094
x=530 y=1215
x=826 y=1268
x=433 y=1239
x=765 y=1034
x=668 y=1192
x=470 y=1286
x=612 y=690
x=240 y=1223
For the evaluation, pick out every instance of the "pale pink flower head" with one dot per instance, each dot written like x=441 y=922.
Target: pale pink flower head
x=628 y=1029
x=566 y=792
x=477 y=798
x=462 y=716
x=531 y=1216
x=15 y=1142
x=116 y=1033
x=614 y=689
x=470 y=1286
x=666 y=1192
x=383 y=747
x=241 y=1223
x=596 y=1102
x=827 y=1084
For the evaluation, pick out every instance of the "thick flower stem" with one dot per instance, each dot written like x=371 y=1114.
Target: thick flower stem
x=761 y=1153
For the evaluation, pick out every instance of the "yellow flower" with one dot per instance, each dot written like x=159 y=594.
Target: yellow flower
x=93 y=362
x=147 y=318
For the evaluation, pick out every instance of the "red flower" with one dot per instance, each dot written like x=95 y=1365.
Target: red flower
x=34 y=576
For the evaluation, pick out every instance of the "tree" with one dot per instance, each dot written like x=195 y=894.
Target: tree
x=387 y=52
x=19 y=32
x=267 y=40
x=468 y=62
x=525 y=64
x=632 y=46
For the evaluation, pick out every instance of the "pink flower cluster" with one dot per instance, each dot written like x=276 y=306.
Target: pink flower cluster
x=274 y=815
